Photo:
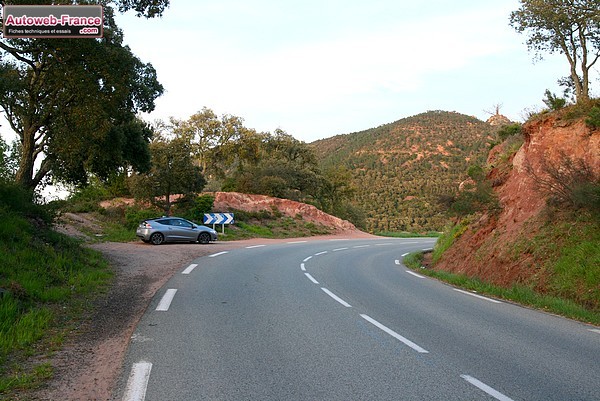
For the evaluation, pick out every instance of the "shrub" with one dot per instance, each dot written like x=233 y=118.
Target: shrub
x=509 y=130
x=570 y=182
x=554 y=102
x=593 y=120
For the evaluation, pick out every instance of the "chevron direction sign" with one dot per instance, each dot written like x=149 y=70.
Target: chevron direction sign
x=218 y=218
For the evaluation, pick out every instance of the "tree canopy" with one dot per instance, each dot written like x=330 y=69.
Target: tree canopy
x=73 y=102
x=172 y=171
x=570 y=27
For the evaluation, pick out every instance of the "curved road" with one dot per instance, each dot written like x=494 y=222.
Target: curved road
x=345 y=320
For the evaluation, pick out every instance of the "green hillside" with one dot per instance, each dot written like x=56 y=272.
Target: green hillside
x=400 y=169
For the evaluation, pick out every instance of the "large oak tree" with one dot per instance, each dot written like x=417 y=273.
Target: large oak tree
x=73 y=102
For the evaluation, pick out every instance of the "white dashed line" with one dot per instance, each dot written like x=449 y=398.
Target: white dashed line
x=320 y=253
x=255 y=246
x=307 y=258
x=217 y=254
x=595 y=331
x=296 y=242
x=394 y=334
x=311 y=278
x=302 y=267
x=398 y=262
x=137 y=382
x=404 y=254
x=360 y=246
x=339 y=249
x=415 y=274
x=189 y=269
x=485 y=388
x=166 y=300
x=477 y=296
x=338 y=299
x=385 y=244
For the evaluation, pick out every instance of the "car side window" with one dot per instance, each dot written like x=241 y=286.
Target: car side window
x=185 y=224
x=167 y=222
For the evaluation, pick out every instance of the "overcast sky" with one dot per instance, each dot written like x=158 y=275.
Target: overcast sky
x=320 y=68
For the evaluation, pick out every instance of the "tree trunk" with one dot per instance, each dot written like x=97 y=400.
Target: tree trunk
x=24 y=176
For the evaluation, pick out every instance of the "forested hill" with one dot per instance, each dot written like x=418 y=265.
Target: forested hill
x=400 y=169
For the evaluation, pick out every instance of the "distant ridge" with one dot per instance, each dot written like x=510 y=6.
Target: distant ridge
x=401 y=168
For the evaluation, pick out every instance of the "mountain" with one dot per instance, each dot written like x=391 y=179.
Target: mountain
x=400 y=169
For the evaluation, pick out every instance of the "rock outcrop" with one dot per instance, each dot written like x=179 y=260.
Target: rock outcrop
x=482 y=250
x=226 y=201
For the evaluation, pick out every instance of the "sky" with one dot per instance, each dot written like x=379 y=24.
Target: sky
x=321 y=68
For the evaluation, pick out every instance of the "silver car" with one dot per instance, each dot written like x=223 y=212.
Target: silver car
x=174 y=229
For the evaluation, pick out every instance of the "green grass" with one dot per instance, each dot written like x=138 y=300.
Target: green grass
x=565 y=253
x=44 y=276
x=448 y=237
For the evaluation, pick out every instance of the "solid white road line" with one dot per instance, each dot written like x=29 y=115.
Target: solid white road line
x=477 y=296
x=415 y=274
x=339 y=249
x=307 y=258
x=320 y=253
x=311 y=278
x=595 y=331
x=255 y=246
x=487 y=389
x=217 y=254
x=189 y=269
x=302 y=267
x=137 y=382
x=166 y=300
x=296 y=242
x=394 y=334
x=340 y=300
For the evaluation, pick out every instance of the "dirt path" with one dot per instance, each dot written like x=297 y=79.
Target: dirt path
x=89 y=364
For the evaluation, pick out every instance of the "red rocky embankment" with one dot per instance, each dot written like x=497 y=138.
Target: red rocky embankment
x=227 y=201
x=483 y=250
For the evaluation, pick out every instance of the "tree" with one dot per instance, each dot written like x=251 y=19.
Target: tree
x=570 y=27
x=73 y=102
x=172 y=172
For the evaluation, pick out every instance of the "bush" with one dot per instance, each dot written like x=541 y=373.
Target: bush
x=554 y=102
x=509 y=130
x=570 y=182
x=134 y=215
x=16 y=199
x=593 y=120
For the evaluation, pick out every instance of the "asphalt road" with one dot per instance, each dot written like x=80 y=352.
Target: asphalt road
x=344 y=320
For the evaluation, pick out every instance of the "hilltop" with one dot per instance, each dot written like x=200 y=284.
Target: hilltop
x=400 y=169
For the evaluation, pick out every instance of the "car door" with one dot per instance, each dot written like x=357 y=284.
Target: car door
x=182 y=230
x=168 y=229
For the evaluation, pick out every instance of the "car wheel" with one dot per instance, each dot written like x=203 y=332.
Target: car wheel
x=204 y=238
x=157 y=239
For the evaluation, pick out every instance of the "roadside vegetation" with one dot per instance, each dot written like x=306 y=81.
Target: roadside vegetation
x=46 y=280
x=524 y=295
